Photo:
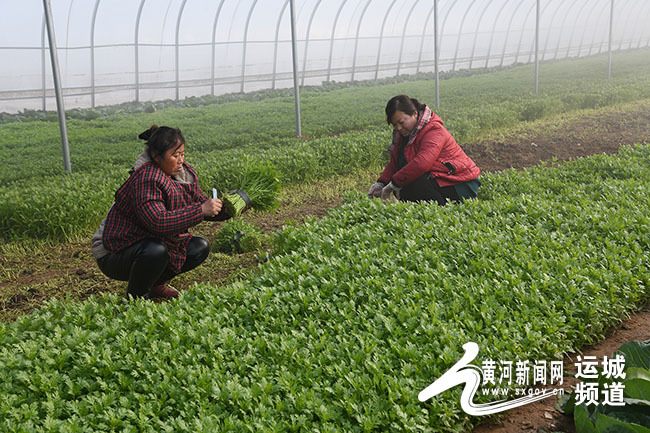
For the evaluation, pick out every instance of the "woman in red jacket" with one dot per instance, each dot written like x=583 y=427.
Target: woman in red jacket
x=144 y=238
x=426 y=163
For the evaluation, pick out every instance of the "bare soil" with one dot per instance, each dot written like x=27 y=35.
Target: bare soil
x=68 y=271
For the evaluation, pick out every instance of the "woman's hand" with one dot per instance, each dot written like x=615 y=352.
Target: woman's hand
x=389 y=189
x=375 y=190
x=211 y=207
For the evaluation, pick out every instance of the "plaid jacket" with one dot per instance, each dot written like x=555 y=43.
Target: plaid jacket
x=150 y=204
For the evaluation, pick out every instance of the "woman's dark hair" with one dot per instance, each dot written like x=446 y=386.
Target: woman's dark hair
x=404 y=104
x=161 y=139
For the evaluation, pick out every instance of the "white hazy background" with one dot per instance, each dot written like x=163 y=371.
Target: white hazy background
x=396 y=34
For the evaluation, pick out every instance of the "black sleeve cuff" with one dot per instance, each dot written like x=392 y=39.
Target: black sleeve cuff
x=221 y=216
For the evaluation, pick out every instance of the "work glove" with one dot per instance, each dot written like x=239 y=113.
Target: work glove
x=375 y=190
x=389 y=189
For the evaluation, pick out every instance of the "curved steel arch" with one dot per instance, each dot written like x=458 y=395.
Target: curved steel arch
x=584 y=32
x=137 y=52
x=478 y=26
x=43 y=63
x=647 y=41
x=566 y=16
x=460 y=33
x=639 y=17
x=164 y=25
x=642 y=36
x=494 y=27
x=618 y=10
x=277 y=37
x=336 y=19
x=622 y=37
x=356 y=40
x=401 y=46
x=214 y=46
x=354 y=13
x=381 y=37
x=243 y=59
x=628 y=26
x=304 y=59
x=523 y=30
x=177 y=52
x=67 y=30
x=505 y=42
x=424 y=31
x=92 y=54
x=436 y=53
x=633 y=27
x=444 y=22
x=603 y=13
x=550 y=27
x=534 y=49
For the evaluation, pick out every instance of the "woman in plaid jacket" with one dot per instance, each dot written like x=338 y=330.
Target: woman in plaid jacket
x=426 y=163
x=144 y=238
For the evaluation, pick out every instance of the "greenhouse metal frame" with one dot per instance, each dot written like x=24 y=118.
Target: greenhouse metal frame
x=472 y=23
x=304 y=42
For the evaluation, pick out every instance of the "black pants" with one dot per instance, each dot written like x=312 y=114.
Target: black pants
x=144 y=264
x=426 y=188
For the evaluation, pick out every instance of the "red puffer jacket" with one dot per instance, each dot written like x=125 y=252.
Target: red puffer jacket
x=432 y=148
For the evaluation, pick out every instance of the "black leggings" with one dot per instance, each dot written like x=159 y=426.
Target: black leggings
x=426 y=188
x=144 y=264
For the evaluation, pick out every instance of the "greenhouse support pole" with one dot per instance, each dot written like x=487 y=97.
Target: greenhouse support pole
x=435 y=50
x=537 y=49
x=294 y=51
x=92 y=55
x=609 y=49
x=177 y=50
x=44 y=99
x=136 y=42
x=57 y=84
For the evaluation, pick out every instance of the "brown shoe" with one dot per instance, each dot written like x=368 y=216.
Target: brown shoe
x=163 y=291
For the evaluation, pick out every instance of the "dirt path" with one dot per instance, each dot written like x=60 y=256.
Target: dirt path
x=68 y=270
x=570 y=136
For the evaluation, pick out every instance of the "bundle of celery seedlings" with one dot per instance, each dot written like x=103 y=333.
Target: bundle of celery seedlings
x=258 y=188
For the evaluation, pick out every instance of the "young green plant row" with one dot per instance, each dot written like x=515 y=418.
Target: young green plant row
x=61 y=208
x=469 y=105
x=36 y=200
x=353 y=317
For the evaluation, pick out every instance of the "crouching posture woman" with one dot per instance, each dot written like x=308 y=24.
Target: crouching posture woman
x=426 y=163
x=144 y=238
